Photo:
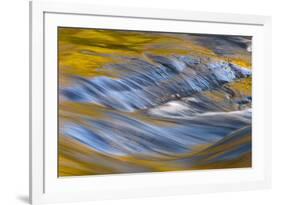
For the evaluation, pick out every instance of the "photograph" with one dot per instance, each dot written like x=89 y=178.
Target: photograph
x=133 y=101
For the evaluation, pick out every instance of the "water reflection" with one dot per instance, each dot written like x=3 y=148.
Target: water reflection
x=142 y=101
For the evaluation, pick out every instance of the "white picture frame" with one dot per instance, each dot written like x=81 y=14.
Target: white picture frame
x=46 y=187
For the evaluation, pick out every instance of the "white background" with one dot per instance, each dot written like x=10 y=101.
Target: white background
x=14 y=100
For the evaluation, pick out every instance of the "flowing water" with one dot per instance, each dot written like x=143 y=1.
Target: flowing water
x=147 y=101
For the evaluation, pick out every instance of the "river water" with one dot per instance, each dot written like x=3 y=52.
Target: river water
x=134 y=102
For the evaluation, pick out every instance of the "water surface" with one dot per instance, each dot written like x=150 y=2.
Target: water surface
x=133 y=101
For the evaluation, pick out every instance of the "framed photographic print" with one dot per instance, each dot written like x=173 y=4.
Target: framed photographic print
x=129 y=102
